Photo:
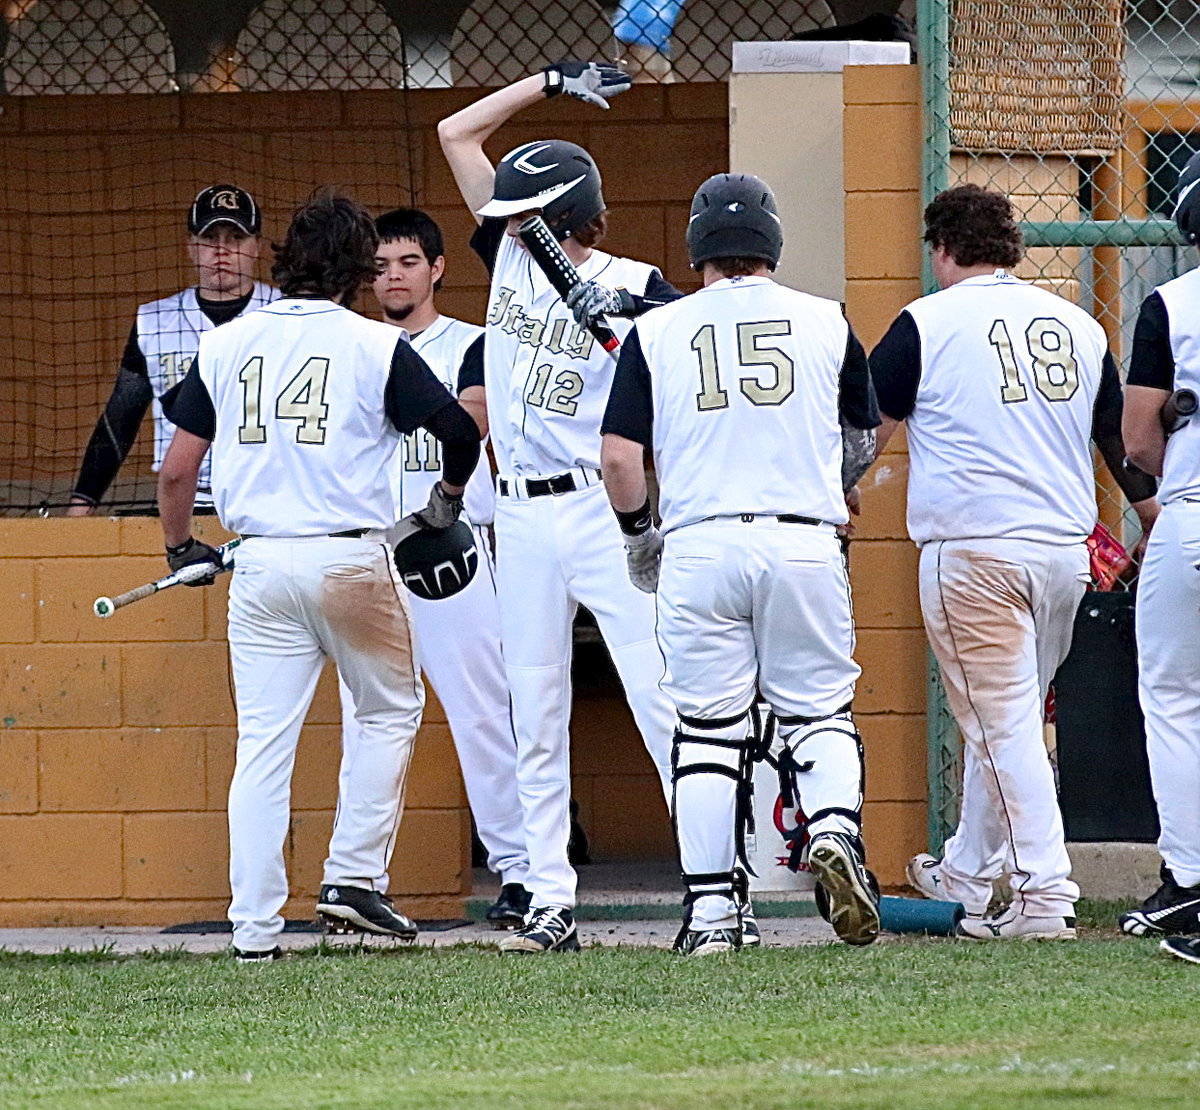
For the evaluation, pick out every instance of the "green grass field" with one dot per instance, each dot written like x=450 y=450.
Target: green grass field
x=910 y=1023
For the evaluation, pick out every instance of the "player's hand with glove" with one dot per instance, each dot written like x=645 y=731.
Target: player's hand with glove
x=594 y=82
x=643 y=557
x=442 y=511
x=590 y=300
x=190 y=552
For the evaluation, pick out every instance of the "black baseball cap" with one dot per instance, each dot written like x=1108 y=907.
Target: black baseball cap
x=224 y=204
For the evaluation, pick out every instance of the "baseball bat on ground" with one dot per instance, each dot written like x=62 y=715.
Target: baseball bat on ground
x=552 y=260
x=106 y=606
x=1178 y=409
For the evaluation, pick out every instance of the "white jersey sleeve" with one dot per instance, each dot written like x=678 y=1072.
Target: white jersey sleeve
x=443 y=345
x=1181 y=464
x=999 y=435
x=547 y=380
x=744 y=380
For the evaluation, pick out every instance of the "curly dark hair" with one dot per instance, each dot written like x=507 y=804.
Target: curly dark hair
x=975 y=226
x=329 y=249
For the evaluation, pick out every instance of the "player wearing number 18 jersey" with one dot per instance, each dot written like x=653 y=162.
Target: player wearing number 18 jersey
x=1003 y=386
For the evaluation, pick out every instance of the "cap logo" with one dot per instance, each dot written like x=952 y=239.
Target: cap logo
x=526 y=166
x=734 y=206
x=225 y=199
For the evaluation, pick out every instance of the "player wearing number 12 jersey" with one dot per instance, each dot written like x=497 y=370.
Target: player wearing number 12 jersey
x=1003 y=386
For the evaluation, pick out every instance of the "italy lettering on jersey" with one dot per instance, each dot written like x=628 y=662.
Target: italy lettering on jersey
x=302 y=447
x=999 y=439
x=547 y=380
x=744 y=378
x=443 y=345
x=1181 y=464
x=169 y=333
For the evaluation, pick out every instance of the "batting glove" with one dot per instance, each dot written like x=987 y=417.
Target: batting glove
x=590 y=300
x=193 y=551
x=643 y=557
x=442 y=510
x=594 y=82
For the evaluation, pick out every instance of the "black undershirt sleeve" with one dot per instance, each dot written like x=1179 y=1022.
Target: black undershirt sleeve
x=117 y=428
x=1106 y=434
x=459 y=437
x=1152 y=362
x=630 y=409
x=413 y=393
x=486 y=240
x=471 y=371
x=896 y=368
x=857 y=404
x=189 y=405
x=659 y=291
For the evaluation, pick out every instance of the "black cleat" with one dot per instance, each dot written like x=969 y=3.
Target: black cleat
x=510 y=909
x=1170 y=909
x=549 y=929
x=851 y=896
x=354 y=909
x=1182 y=948
x=256 y=956
x=708 y=942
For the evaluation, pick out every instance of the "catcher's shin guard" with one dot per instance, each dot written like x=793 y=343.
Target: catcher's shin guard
x=821 y=770
x=725 y=888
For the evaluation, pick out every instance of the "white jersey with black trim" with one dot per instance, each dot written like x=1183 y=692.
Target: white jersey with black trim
x=1181 y=464
x=169 y=333
x=745 y=377
x=999 y=438
x=548 y=380
x=303 y=446
x=443 y=345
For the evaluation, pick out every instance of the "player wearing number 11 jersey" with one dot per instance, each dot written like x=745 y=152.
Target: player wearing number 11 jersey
x=1003 y=386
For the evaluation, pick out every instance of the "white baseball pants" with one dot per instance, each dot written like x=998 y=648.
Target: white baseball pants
x=1168 y=640
x=553 y=554
x=292 y=603
x=745 y=604
x=999 y=615
x=458 y=649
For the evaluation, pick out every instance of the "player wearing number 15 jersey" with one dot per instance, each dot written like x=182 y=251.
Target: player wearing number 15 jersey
x=304 y=404
x=1003 y=386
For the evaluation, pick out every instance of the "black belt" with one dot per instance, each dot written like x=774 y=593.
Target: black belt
x=348 y=534
x=783 y=518
x=543 y=487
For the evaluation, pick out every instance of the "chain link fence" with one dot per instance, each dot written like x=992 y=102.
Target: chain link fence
x=1083 y=111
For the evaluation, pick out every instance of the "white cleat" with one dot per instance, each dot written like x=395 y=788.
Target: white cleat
x=1011 y=924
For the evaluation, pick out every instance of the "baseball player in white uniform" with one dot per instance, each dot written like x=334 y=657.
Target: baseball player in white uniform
x=458 y=638
x=304 y=404
x=1003 y=386
x=756 y=401
x=546 y=382
x=1166 y=357
x=223 y=226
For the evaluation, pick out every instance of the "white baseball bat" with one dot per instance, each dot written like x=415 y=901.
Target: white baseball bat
x=104 y=607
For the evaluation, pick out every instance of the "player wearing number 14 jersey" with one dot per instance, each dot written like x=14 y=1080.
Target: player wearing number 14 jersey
x=1003 y=386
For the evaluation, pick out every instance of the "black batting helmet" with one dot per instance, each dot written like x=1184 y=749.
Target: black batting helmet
x=552 y=176
x=437 y=564
x=1187 y=207
x=734 y=216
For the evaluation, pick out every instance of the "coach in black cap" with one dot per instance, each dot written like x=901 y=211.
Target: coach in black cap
x=223 y=224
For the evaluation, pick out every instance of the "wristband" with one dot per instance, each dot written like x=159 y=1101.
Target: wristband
x=637 y=522
x=183 y=548
x=554 y=81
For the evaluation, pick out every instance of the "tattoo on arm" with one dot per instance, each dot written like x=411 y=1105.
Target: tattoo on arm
x=858 y=452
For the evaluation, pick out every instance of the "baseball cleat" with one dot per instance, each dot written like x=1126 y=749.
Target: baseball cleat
x=256 y=956
x=1170 y=909
x=708 y=942
x=751 y=934
x=510 y=909
x=851 y=898
x=1011 y=924
x=547 y=929
x=354 y=909
x=1182 y=948
x=924 y=874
